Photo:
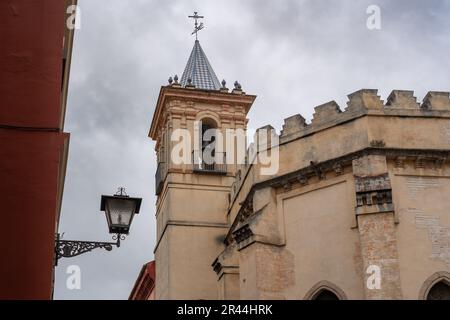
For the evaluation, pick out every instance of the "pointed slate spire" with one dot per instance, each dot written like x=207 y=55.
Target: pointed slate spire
x=199 y=70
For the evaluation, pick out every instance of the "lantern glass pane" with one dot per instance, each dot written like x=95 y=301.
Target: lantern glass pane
x=121 y=211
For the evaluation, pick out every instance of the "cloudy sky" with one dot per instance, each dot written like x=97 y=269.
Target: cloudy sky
x=293 y=54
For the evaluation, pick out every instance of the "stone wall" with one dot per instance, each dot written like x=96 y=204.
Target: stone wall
x=341 y=202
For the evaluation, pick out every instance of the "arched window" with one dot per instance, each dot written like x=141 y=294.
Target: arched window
x=208 y=157
x=325 y=294
x=207 y=124
x=440 y=291
x=436 y=287
x=325 y=290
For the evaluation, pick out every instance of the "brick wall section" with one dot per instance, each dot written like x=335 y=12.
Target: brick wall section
x=379 y=247
x=376 y=226
x=274 y=271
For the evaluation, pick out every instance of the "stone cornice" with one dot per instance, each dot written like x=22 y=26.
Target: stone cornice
x=187 y=224
x=170 y=93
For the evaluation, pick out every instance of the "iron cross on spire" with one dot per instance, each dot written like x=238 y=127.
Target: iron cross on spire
x=197 y=26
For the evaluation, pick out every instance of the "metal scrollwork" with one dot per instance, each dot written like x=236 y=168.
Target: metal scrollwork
x=118 y=237
x=73 y=248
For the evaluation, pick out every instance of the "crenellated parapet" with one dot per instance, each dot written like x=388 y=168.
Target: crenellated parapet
x=365 y=102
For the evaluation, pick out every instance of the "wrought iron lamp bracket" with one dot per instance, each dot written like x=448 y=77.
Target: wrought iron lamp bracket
x=73 y=248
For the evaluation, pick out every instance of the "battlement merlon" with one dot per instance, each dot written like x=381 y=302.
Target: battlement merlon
x=293 y=124
x=435 y=100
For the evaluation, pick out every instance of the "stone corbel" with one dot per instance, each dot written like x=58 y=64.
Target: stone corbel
x=303 y=180
x=439 y=162
x=317 y=170
x=338 y=169
x=419 y=163
x=287 y=186
x=242 y=236
x=400 y=162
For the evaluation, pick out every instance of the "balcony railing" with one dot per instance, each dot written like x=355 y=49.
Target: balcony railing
x=159 y=177
x=216 y=166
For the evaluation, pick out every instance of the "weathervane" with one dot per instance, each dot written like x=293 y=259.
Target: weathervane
x=197 y=27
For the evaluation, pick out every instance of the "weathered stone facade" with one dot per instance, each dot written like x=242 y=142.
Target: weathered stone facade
x=358 y=191
x=352 y=191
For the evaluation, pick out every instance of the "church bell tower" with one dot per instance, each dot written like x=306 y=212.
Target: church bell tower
x=193 y=194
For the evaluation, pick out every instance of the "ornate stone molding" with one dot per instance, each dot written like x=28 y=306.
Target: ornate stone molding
x=375 y=183
x=377 y=144
x=400 y=162
x=303 y=180
x=246 y=209
x=373 y=190
x=242 y=234
x=338 y=168
x=318 y=170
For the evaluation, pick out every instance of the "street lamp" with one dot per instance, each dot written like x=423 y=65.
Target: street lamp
x=119 y=210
